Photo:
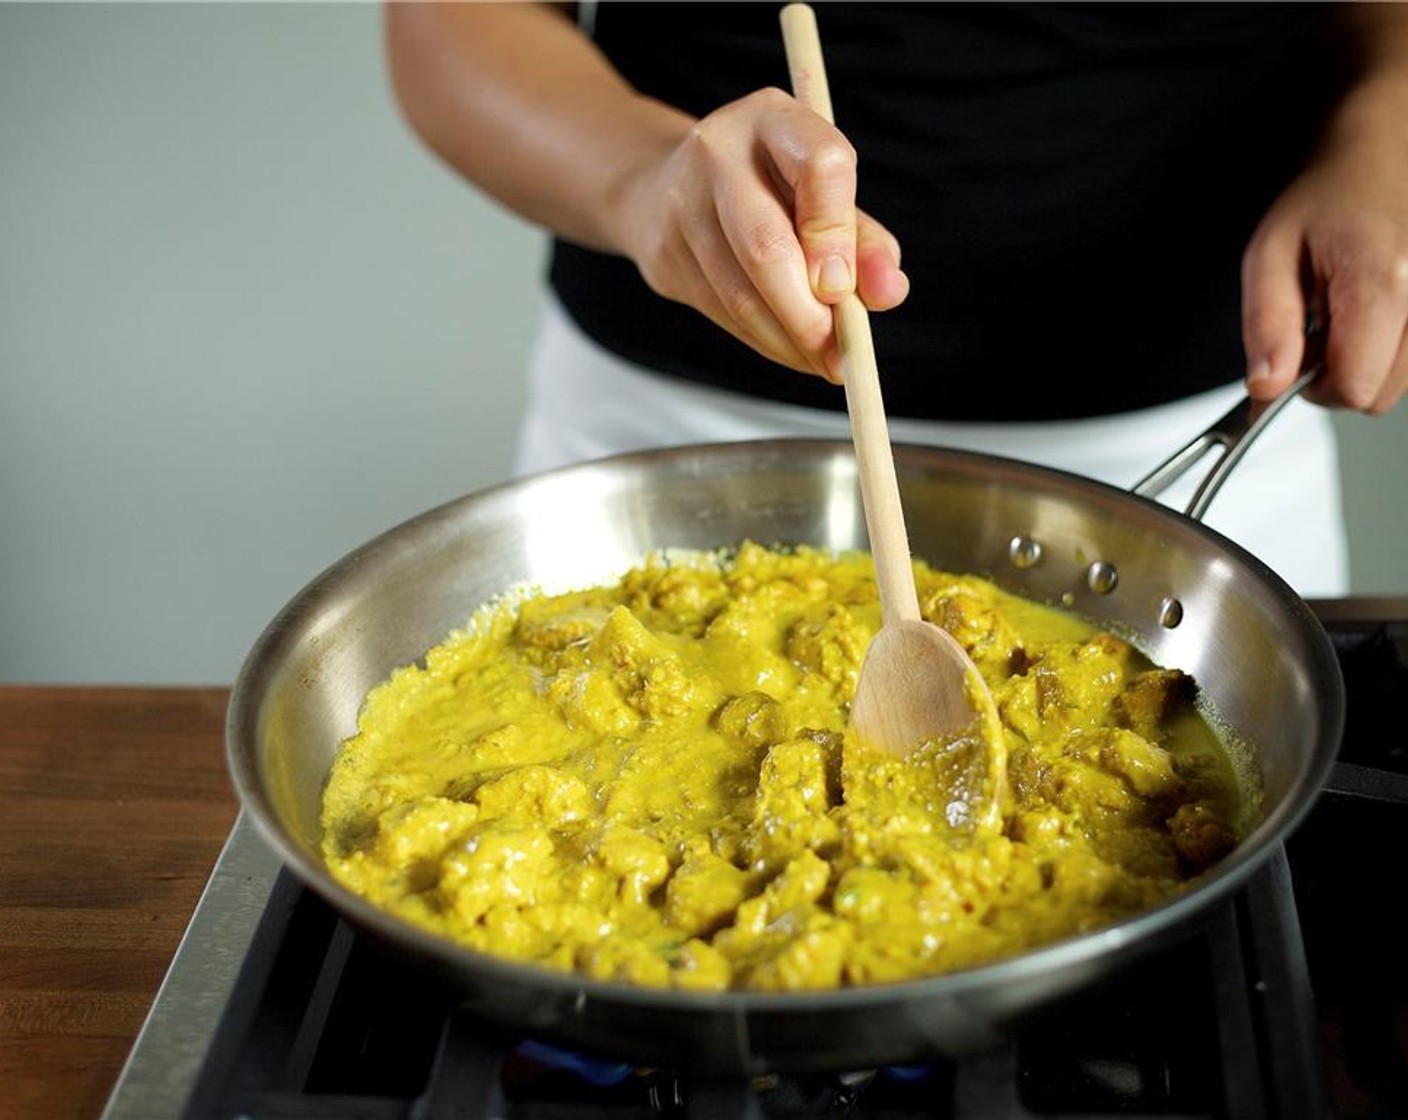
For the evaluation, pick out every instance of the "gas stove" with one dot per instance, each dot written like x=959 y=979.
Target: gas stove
x=1288 y=1000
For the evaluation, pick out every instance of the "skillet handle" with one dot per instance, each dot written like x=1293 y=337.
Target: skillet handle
x=1234 y=433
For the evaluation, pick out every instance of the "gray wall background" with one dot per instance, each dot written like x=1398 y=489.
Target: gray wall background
x=247 y=322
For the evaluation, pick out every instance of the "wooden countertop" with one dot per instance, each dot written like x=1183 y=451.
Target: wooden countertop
x=114 y=805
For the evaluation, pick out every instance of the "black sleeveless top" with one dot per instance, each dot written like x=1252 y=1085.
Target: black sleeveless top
x=1073 y=187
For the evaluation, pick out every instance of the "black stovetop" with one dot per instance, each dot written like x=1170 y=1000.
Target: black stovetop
x=1288 y=1000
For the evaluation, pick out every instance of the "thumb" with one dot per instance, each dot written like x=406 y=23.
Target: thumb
x=1273 y=310
x=879 y=280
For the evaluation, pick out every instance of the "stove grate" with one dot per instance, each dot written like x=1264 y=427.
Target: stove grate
x=334 y=1027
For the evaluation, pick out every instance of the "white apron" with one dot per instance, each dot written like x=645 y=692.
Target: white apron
x=1282 y=503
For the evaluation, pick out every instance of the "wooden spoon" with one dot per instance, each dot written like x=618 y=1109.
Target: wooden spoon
x=918 y=687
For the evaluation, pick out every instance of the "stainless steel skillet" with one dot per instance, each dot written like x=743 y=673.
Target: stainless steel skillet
x=1187 y=596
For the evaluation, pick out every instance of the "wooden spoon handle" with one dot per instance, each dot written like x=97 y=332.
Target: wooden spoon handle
x=880 y=492
x=879 y=489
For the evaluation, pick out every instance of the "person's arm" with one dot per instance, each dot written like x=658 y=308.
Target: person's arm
x=747 y=215
x=1337 y=238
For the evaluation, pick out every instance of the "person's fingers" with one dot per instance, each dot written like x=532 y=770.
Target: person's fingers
x=761 y=200
x=1273 y=308
x=1395 y=386
x=825 y=213
x=764 y=262
x=1368 y=307
x=726 y=293
x=742 y=171
x=816 y=165
x=879 y=280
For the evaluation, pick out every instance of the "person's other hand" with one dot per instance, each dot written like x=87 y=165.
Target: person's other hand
x=751 y=219
x=1336 y=242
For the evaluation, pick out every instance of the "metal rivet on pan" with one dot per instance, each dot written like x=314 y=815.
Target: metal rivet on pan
x=1102 y=577
x=1024 y=552
x=1170 y=613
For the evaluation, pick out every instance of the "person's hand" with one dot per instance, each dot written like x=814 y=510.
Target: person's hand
x=1336 y=243
x=751 y=219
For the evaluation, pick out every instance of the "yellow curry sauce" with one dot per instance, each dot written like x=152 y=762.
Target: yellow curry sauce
x=652 y=783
